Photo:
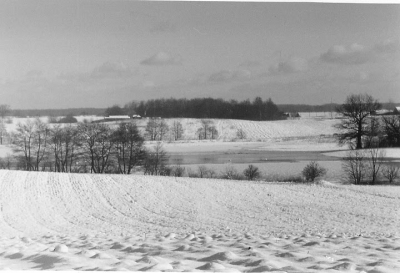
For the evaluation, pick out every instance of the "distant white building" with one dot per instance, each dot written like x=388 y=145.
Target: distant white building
x=292 y=115
x=382 y=112
x=118 y=117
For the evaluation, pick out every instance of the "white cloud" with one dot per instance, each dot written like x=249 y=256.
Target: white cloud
x=358 y=54
x=162 y=58
x=354 y=54
x=292 y=65
x=388 y=46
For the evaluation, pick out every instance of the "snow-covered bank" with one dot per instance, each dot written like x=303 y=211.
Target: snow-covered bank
x=385 y=152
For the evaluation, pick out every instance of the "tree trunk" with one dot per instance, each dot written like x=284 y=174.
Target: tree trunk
x=359 y=135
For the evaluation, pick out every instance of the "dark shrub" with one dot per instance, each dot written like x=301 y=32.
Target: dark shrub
x=68 y=119
x=251 y=172
x=312 y=171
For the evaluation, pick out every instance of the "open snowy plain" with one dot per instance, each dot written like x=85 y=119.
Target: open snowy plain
x=115 y=222
x=143 y=223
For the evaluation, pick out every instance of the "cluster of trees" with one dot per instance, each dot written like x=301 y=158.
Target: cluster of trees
x=308 y=108
x=157 y=129
x=258 y=109
x=367 y=167
x=328 y=107
x=207 y=130
x=86 y=147
x=56 y=112
x=362 y=130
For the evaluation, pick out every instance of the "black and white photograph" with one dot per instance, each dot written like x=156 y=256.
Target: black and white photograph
x=200 y=136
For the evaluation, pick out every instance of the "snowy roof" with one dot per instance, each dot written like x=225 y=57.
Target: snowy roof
x=119 y=116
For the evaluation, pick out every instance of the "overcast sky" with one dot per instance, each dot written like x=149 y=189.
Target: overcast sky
x=64 y=54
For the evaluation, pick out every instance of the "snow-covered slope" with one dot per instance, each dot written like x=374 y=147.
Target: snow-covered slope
x=227 y=128
x=258 y=130
x=37 y=202
x=116 y=222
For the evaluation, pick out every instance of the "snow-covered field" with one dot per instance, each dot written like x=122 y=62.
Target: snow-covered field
x=115 y=222
x=142 y=223
x=227 y=128
x=258 y=130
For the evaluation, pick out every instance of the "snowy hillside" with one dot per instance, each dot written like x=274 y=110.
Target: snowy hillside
x=83 y=221
x=227 y=128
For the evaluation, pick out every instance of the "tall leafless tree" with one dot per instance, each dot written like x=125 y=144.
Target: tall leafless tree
x=64 y=143
x=155 y=160
x=128 y=146
x=391 y=130
x=97 y=143
x=163 y=129
x=375 y=156
x=152 y=129
x=355 y=111
x=32 y=139
x=177 y=130
x=355 y=167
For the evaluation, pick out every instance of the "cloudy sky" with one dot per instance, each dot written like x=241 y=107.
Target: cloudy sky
x=83 y=53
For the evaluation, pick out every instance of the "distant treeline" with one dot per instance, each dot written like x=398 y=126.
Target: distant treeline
x=288 y=108
x=257 y=109
x=57 y=112
x=193 y=108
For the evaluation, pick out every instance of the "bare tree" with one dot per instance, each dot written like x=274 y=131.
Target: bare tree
x=32 y=140
x=177 y=130
x=231 y=173
x=178 y=171
x=354 y=166
x=376 y=157
x=213 y=132
x=97 y=143
x=202 y=171
x=373 y=132
x=156 y=129
x=152 y=130
x=200 y=133
x=65 y=143
x=391 y=129
x=390 y=172
x=205 y=125
x=241 y=134
x=155 y=160
x=129 y=147
x=163 y=129
x=355 y=111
